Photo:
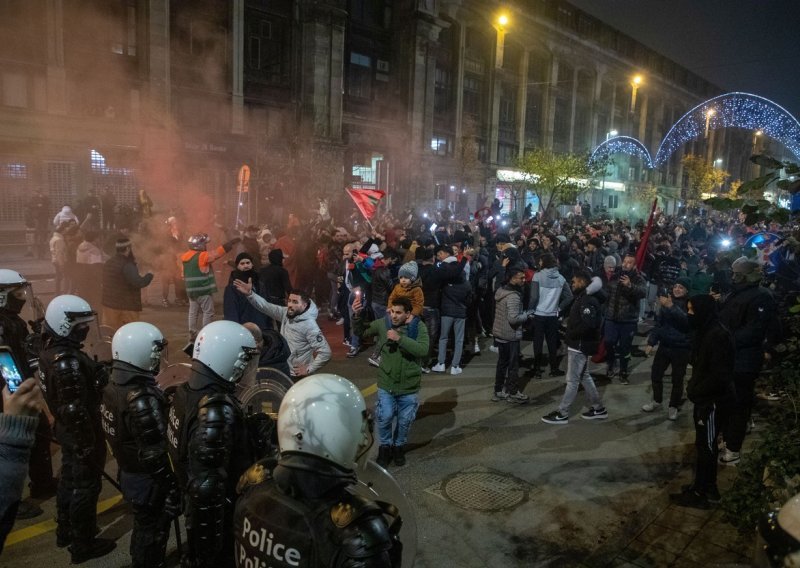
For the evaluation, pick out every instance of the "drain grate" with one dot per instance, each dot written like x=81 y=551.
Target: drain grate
x=483 y=489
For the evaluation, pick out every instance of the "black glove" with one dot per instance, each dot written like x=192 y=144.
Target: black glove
x=172 y=503
x=232 y=243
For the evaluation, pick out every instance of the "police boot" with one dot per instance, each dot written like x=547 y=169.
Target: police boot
x=384 y=456
x=84 y=550
x=399 y=455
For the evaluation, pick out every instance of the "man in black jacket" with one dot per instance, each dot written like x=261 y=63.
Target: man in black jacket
x=583 y=338
x=122 y=287
x=710 y=386
x=625 y=289
x=748 y=312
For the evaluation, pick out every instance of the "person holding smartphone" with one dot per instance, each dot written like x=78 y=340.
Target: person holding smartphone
x=14 y=333
x=18 y=420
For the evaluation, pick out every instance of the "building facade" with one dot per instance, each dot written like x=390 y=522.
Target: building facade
x=430 y=100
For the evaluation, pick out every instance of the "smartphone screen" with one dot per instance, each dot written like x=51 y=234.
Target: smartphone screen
x=9 y=370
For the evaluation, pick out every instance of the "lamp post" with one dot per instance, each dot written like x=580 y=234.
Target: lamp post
x=500 y=25
x=636 y=81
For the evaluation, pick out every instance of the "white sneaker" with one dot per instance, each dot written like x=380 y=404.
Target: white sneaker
x=456 y=370
x=673 y=413
x=727 y=457
x=651 y=406
x=438 y=368
x=494 y=349
x=476 y=349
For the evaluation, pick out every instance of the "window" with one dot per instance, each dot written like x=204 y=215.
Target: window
x=613 y=201
x=267 y=51
x=61 y=183
x=472 y=95
x=508 y=111
x=14 y=189
x=507 y=154
x=533 y=117
x=440 y=145
x=15 y=90
x=359 y=76
x=441 y=102
x=368 y=12
x=561 y=127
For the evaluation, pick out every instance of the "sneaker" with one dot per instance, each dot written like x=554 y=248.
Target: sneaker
x=384 y=456
x=26 y=510
x=456 y=370
x=399 y=455
x=476 y=349
x=164 y=303
x=599 y=413
x=651 y=406
x=494 y=349
x=537 y=373
x=727 y=457
x=438 y=368
x=556 y=373
x=352 y=353
x=623 y=378
x=374 y=360
x=518 y=398
x=499 y=395
x=610 y=373
x=346 y=343
x=340 y=321
x=95 y=548
x=673 y=413
x=425 y=370
x=555 y=417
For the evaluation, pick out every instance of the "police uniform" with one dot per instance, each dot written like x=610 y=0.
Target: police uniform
x=210 y=446
x=134 y=418
x=301 y=513
x=72 y=383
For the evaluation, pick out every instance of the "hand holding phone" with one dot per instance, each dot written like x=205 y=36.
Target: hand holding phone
x=9 y=370
x=27 y=400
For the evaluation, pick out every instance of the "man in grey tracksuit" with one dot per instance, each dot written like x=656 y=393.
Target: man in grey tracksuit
x=308 y=346
x=550 y=294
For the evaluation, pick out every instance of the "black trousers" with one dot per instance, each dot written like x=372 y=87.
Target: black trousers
x=706 y=425
x=149 y=537
x=78 y=489
x=507 y=371
x=40 y=465
x=679 y=359
x=545 y=328
x=735 y=414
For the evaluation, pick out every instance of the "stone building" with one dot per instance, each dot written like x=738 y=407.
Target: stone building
x=431 y=101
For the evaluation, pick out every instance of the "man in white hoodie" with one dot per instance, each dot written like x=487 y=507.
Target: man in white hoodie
x=309 y=348
x=550 y=295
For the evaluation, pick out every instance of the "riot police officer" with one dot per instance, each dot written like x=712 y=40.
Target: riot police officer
x=14 y=334
x=209 y=440
x=301 y=511
x=134 y=413
x=73 y=384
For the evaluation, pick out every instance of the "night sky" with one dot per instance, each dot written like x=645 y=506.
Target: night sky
x=739 y=45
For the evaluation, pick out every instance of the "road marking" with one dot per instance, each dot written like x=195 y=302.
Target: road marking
x=49 y=525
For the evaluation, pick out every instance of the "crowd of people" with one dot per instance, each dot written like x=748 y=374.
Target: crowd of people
x=413 y=296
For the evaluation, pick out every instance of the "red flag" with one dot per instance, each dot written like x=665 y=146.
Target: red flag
x=641 y=252
x=366 y=200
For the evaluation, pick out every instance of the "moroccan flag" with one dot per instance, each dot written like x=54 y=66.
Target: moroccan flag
x=366 y=200
x=641 y=252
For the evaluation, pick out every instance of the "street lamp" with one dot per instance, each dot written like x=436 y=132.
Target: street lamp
x=611 y=134
x=502 y=20
x=500 y=24
x=636 y=81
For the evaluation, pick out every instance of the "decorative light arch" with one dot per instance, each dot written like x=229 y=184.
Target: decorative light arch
x=732 y=110
x=623 y=145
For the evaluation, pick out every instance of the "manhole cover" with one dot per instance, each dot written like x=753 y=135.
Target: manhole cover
x=483 y=489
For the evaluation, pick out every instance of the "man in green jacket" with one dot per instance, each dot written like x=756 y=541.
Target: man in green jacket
x=403 y=341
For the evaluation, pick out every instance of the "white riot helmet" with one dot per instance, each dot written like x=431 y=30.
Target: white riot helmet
x=140 y=344
x=67 y=311
x=325 y=416
x=226 y=348
x=9 y=281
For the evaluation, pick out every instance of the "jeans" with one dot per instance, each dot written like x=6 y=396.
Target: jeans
x=679 y=359
x=619 y=340
x=355 y=340
x=389 y=406
x=448 y=323
x=506 y=375
x=204 y=305
x=545 y=328
x=577 y=374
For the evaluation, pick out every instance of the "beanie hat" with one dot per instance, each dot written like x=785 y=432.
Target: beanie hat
x=609 y=262
x=122 y=244
x=685 y=282
x=408 y=270
x=242 y=256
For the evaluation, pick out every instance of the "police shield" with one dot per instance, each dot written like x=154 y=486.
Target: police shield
x=265 y=392
x=377 y=484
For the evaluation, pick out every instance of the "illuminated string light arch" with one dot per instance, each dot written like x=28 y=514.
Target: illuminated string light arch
x=732 y=110
x=623 y=145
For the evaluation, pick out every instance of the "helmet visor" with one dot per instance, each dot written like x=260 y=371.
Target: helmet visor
x=159 y=356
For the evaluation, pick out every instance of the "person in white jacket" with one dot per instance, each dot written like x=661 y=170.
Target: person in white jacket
x=64 y=216
x=298 y=319
x=550 y=294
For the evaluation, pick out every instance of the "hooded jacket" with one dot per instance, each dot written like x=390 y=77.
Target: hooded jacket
x=63 y=216
x=712 y=354
x=672 y=326
x=550 y=293
x=306 y=341
x=748 y=312
x=583 y=323
x=623 y=301
x=509 y=316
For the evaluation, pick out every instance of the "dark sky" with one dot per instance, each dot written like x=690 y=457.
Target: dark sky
x=739 y=45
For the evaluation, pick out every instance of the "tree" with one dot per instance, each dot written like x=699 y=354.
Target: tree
x=703 y=177
x=558 y=178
